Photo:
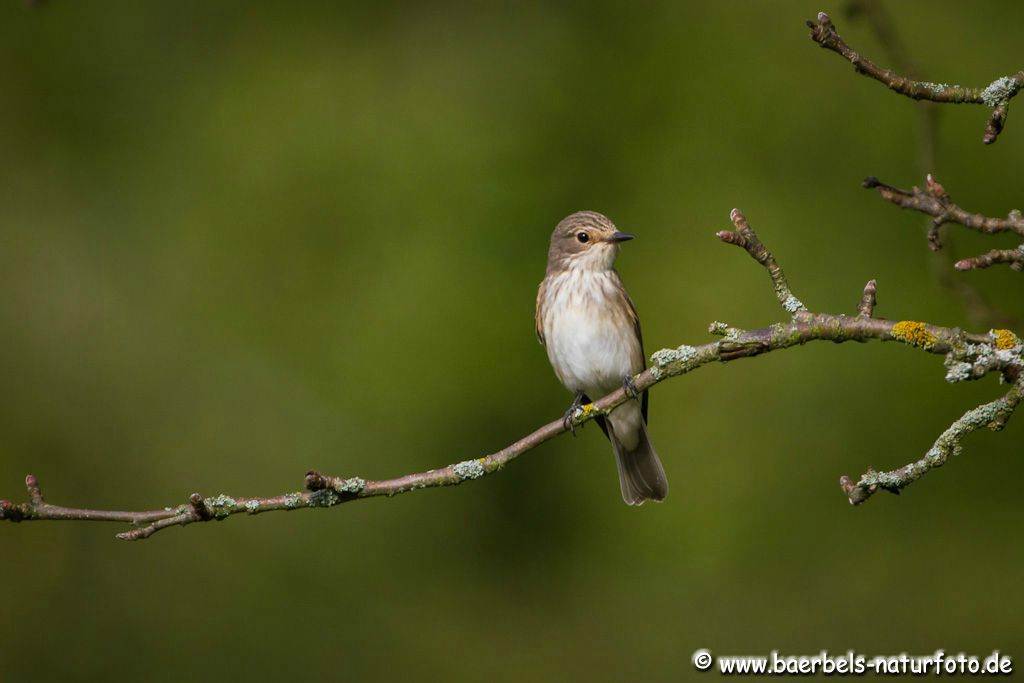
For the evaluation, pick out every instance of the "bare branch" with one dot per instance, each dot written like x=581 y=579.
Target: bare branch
x=968 y=357
x=995 y=95
x=1014 y=257
x=934 y=201
x=976 y=305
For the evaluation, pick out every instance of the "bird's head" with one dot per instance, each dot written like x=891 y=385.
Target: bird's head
x=585 y=240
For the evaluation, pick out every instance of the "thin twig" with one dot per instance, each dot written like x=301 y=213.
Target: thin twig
x=976 y=305
x=968 y=357
x=934 y=201
x=991 y=415
x=1013 y=257
x=746 y=238
x=995 y=95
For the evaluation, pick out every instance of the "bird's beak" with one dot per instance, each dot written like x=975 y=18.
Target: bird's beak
x=620 y=237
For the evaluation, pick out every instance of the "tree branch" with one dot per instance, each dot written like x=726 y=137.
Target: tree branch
x=979 y=310
x=968 y=357
x=934 y=201
x=996 y=95
x=992 y=415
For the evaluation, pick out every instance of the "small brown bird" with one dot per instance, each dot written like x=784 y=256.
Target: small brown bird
x=587 y=322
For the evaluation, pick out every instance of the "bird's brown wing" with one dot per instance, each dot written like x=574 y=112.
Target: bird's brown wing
x=635 y=319
x=538 y=315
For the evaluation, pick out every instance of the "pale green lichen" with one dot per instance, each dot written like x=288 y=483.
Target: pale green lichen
x=220 y=501
x=937 y=88
x=352 y=485
x=1010 y=356
x=999 y=91
x=221 y=506
x=973 y=361
x=681 y=354
x=324 y=498
x=724 y=330
x=793 y=305
x=938 y=454
x=292 y=500
x=888 y=480
x=980 y=351
x=469 y=469
x=987 y=415
x=252 y=506
x=958 y=372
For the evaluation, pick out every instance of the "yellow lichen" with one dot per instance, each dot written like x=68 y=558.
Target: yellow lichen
x=587 y=409
x=914 y=333
x=1005 y=339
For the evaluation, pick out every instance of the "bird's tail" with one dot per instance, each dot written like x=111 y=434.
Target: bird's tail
x=641 y=476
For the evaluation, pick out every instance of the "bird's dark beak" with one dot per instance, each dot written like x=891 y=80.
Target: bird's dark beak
x=620 y=237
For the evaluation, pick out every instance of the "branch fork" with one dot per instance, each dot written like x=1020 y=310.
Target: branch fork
x=934 y=201
x=996 y=95
x=968 y=357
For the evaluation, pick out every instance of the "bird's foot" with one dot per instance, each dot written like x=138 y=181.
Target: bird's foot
x=629 y=386
x=570 y=415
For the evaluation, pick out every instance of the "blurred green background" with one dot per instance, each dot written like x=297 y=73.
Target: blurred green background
x=239 y=240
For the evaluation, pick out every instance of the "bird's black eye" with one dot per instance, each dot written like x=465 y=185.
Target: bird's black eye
x=583 y=237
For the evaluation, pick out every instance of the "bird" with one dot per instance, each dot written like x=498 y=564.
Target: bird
x=589 y=327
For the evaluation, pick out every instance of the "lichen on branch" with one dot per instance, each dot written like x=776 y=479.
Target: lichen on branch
x=933 y=200
x=996 y=95
x=967 y=357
